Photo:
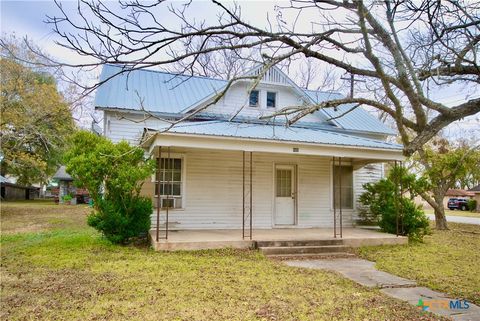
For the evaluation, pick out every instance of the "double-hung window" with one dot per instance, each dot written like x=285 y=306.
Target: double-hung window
x=170 y=181
x=343 y=182
x=254 y=98
x=271 y=99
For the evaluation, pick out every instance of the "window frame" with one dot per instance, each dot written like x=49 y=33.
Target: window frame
x=332 y=191
x=258 y=99
x=276 y=99
x=183 y=178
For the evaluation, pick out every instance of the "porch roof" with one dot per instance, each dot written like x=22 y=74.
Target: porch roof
x=273 y=133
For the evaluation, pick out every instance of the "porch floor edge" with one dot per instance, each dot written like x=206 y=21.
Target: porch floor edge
x=216 y=239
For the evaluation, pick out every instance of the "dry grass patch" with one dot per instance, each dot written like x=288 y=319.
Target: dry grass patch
x=72 y=273
x=40 y=215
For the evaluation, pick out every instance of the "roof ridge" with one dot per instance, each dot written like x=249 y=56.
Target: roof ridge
x=323 y=91
x=195 y=123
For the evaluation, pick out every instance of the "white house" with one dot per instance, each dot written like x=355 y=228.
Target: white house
x=244 y=173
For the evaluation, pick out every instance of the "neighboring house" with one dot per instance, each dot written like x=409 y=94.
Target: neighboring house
x=14 y=192
x=456 y=193
x=66 y=187
x=476 y=195
x=219 y=173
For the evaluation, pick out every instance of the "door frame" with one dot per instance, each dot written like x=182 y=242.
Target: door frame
x=274 y=194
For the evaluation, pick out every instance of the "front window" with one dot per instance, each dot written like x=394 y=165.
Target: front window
x=271 y=99
x=169 y=179
x=344 y=175
x=254 y=98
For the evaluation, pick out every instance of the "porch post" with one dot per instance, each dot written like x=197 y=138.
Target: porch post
x=159 y=203
x=334 y=198
x=250 y=190
x=251 y=193
x=340 y=195
x=169 y=184
x=401 y=197
x=243 y=197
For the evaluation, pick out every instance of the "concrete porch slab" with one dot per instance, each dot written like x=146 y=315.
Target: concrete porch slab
x=214 y=239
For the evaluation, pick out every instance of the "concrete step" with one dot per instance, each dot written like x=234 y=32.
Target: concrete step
x=303 y=249
x=292 y=243
x=311 y=256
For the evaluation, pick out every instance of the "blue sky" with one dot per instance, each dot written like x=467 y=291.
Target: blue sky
x=26 y=18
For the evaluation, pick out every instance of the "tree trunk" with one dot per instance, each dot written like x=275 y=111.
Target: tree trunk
x=437 y=204
x=440 y=219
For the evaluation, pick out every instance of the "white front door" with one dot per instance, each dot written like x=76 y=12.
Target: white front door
x=285 y=194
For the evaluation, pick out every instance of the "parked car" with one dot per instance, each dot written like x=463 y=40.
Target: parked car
x=458 y=204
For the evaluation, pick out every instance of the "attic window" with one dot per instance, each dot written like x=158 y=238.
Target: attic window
x=254 y=95
x=271 y=99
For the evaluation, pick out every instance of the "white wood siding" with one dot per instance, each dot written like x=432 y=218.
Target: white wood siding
x=213 y=197
x=126 y=126
x=237 y=97
x=214 y=182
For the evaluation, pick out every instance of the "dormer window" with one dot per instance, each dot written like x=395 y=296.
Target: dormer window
x=271 y=99
x=254 y=98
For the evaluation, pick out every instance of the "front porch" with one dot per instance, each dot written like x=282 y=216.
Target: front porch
x=218 y=238
x=211 y=191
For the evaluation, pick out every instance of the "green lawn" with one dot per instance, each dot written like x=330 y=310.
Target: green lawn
x=54 y=267
x=455 y=213
x=448 y=261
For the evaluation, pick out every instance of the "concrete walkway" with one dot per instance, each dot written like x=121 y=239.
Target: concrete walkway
x=365 y=273
x=458 y=219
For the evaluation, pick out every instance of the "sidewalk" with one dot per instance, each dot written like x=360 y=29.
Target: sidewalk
x=365 y=273
x=458 y=219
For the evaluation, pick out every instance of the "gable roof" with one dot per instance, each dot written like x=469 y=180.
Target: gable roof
x=277 y=133
x=62 y=175
x=167 y=93
x=357 y=119
x=459 y=192
x=155 y=91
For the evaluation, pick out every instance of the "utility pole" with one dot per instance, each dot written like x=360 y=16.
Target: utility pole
x=352 y=82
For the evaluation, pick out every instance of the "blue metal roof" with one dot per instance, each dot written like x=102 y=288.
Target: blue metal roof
x=357 y=119
x=169 y=93
x=277 y=133
x=153 y=90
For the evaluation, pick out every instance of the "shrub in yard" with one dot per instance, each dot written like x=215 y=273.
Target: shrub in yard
x=383 y=204
x=113 y=174
x=120 y=222
x=472 y=205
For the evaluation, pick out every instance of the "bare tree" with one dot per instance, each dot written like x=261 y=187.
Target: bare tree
x=396 y=45
x=222 y=64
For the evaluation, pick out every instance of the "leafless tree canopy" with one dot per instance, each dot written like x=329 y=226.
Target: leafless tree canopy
x=397 y=47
